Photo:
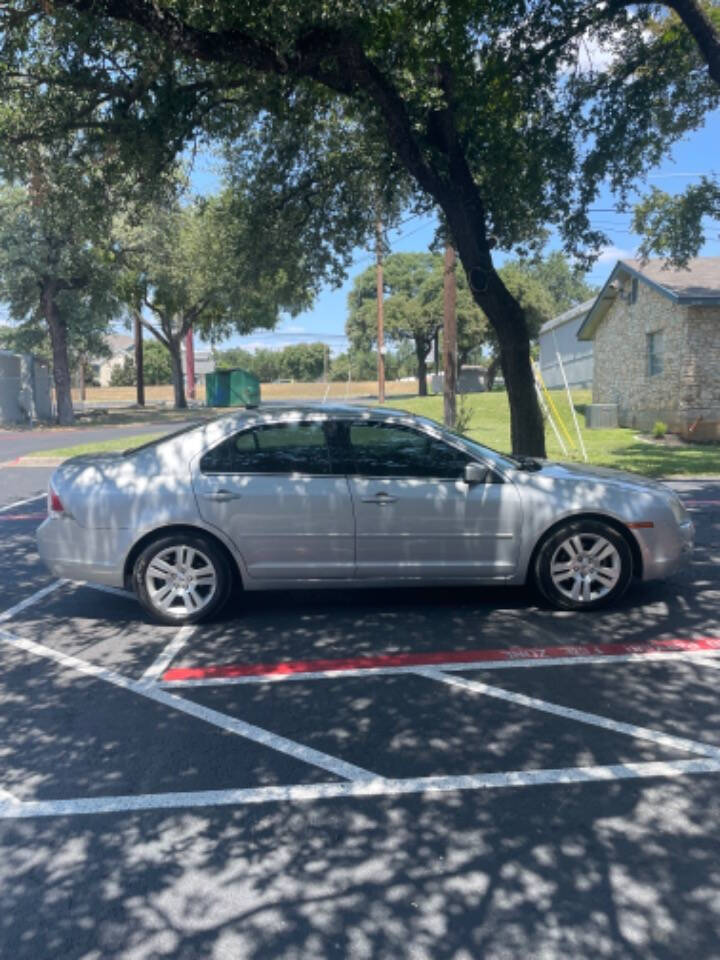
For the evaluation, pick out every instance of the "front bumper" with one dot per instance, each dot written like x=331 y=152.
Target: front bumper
x=668 y=550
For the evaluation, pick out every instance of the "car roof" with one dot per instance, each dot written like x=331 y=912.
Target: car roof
x=328 y=409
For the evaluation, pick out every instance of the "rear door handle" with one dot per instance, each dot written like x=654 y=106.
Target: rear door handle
x=221 y=496
x=380 y=499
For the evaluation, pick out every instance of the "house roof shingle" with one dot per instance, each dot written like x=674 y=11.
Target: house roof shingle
x=701 y=277
x=698 y=284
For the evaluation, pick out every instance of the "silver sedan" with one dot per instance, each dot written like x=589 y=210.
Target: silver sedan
x=345 y=496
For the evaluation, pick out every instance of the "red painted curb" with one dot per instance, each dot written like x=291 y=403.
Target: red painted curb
x=428 y=659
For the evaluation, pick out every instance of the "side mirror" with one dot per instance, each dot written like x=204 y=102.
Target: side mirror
x=475 y=472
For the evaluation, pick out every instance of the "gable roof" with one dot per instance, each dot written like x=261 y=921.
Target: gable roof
x=698 y=284
x=118 y=342
x=579 y=310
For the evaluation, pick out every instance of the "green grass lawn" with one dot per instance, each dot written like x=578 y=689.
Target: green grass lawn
x=490 y=424
x=100 y=446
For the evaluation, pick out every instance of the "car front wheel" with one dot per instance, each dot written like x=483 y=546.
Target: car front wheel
x=181 y=578
x=583 y=565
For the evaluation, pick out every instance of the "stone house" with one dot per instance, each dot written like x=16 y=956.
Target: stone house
x=656 y=345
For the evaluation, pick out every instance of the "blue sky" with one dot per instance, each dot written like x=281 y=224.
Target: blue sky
x=696 y=154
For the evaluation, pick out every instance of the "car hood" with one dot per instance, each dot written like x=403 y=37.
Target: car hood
x=577 y=471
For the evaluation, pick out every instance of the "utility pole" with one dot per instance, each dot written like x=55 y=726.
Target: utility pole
x=190 y=364
x=449 y=339
x=380 y=294
x=139 y=363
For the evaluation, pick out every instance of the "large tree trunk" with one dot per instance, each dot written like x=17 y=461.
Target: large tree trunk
x=421 y=356
x=505 y=314
x=177 y=373
x=58 y=340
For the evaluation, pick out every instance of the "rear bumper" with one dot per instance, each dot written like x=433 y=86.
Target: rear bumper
x=77 y=553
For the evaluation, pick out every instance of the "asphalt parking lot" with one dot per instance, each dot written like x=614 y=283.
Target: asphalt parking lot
x=436 y=773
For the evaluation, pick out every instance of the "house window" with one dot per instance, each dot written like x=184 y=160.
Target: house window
x=655 y=353
x=634 y=290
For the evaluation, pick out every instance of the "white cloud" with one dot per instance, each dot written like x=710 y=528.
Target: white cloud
x=292 y=328
x=611 y=253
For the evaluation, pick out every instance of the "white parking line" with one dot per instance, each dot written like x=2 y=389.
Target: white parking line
x=29 y=601
x=377 y=787
x=569 y=713
x=158 y=667
x=21 y=503
x=249 y=731
x=712 y=662
x=689 y=655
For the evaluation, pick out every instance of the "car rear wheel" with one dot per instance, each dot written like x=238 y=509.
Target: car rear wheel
x=181 y=578
x=583 y=565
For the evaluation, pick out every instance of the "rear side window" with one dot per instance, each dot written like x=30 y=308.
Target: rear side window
x=386 y=450
x=271 y=448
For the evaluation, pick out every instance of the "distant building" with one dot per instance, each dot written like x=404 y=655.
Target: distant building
x=656 y=336
x=559 y=336
x=204 y=363
x=470 y=379
x=120 y=346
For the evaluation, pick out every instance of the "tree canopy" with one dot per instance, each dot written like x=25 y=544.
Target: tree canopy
x=486 y=108
x=55 y=274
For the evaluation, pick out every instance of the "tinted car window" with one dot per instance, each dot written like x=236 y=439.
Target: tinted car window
x=271 y=448
x=386 y=450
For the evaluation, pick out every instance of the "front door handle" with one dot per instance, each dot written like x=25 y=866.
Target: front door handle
x=379 y=499
x=221 y=496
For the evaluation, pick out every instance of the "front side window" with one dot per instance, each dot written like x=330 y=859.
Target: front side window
x=387 y=450
x=271 y=448
x=655 y=353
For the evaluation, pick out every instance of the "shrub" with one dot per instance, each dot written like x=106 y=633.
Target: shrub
x=659 y=429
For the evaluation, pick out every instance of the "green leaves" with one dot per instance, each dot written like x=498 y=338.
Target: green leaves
x=672 y=226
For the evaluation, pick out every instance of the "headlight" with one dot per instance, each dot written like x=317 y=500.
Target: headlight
x=678 y=509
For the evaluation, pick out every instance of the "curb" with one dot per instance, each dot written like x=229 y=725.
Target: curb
x=35 y=462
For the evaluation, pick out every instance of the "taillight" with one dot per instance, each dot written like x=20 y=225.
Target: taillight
x=54 y=502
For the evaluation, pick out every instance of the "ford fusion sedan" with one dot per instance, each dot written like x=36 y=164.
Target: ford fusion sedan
x=343 y=496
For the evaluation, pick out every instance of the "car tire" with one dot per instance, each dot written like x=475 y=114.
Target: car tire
x=182 y=578
x=583 y=565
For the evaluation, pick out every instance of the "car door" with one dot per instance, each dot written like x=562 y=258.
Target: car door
x=417 y=518
x=271 y=490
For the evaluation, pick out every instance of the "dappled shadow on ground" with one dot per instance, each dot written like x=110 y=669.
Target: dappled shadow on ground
x=613 y=870
x=67 y=735
x=616 y=869
x=21 y=572
x=676 y=697
x=409 y=726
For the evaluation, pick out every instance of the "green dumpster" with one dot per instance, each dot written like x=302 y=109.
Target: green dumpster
x=232 y=388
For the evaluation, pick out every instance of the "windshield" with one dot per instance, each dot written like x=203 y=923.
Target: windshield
x=502 y=459
x=166 y=436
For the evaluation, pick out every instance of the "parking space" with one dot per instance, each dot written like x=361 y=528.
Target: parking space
x=377 y=774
